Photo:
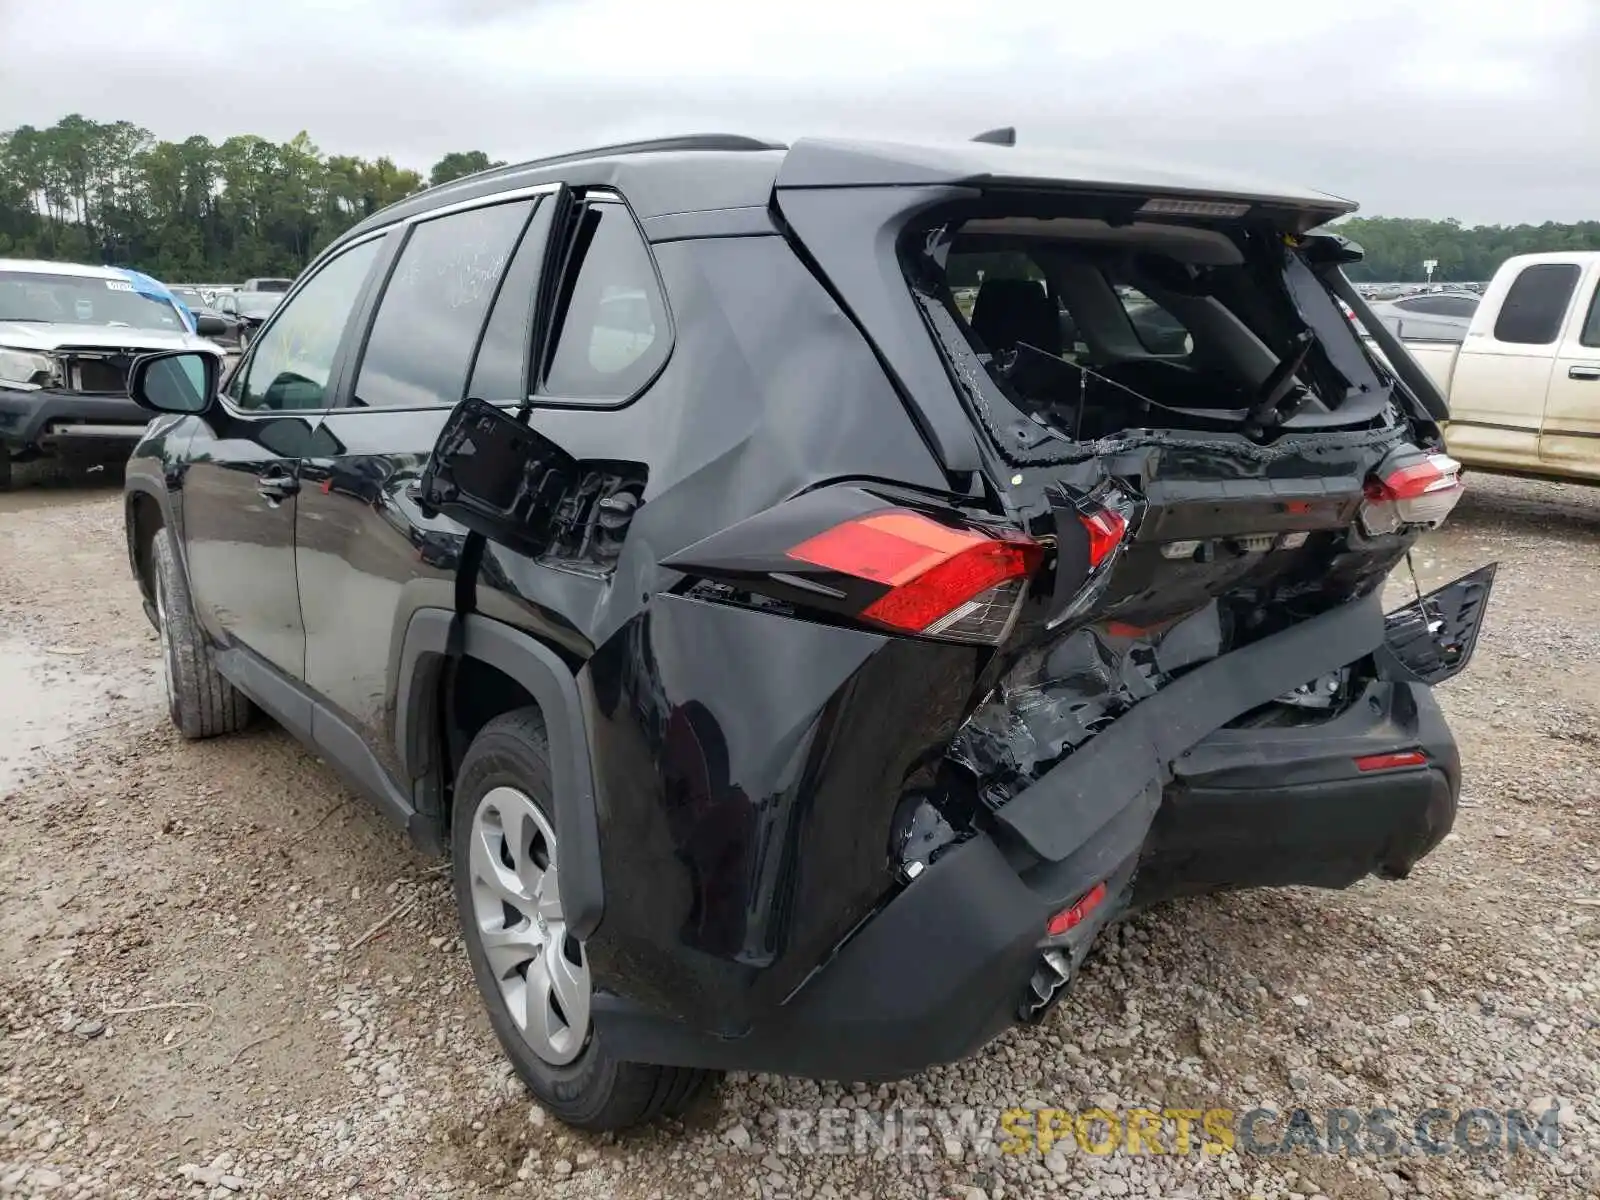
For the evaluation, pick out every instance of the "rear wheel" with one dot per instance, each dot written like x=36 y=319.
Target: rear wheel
x=5 y=469
x=201 y=702
x=532 y=972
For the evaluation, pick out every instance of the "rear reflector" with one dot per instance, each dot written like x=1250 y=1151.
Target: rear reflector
x=958 y=584
x=1392 y=762
x=1067 y=918
x=1422 y=492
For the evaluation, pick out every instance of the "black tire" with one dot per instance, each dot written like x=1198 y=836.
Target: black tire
x=595 y=1091
x=201 y=702
x=5 y=469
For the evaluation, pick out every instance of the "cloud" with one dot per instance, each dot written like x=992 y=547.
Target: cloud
x=1470 y=109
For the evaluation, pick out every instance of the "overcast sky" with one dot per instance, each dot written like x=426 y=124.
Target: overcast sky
x=1485 y=110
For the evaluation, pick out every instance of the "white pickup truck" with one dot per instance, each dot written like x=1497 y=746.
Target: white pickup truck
x=1524 y=385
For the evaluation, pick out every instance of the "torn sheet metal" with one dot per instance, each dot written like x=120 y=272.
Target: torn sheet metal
x=1061 y=695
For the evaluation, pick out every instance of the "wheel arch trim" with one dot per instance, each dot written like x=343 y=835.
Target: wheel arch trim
x=136 y=492
x=547 y=678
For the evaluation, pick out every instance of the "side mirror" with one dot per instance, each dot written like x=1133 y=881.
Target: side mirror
x=207 y=325
x=175 y=381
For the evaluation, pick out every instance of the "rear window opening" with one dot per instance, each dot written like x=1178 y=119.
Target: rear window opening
x=1096 y=330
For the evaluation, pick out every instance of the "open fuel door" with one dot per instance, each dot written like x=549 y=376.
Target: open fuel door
x=497 y=477
x=514 y=487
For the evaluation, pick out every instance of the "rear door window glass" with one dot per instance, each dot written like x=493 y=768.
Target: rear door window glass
x=1535 y=304
x=501 y=372
x=610 y=332
x=433 y=309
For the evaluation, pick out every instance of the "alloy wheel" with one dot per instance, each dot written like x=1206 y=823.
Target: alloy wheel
x=537 y=964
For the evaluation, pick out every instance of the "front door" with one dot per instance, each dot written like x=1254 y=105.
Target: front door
x=1569 y=439
x=243 y=477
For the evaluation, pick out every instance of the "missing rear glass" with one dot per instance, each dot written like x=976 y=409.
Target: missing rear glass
x=1073 y=329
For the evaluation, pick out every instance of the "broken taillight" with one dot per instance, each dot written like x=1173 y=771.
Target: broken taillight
x=1422 y=492
x=957 y=584
x=1106 y=529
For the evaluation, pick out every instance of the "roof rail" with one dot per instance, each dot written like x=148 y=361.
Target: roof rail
x=693 y=141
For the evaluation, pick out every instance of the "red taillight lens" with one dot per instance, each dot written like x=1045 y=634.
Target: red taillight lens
x=1392 y=762
x=1068 y=918
x=1422 y=492
x=1106 y=528
x=959 y=584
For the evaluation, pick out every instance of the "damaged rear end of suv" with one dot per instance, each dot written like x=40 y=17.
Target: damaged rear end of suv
x=1179 y=485
x=832 y=584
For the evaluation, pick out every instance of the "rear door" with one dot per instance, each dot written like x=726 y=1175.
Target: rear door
x=1569 y=439
x=243 y=474
x=452 y=320
x=1502 y=375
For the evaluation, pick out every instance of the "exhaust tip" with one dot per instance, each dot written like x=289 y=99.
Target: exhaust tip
x=1052 y=975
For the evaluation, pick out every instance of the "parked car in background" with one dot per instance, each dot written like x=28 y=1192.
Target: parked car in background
x=801 y=676
x=209 y=321
x=68 y=335
x=189 y=294
x=1431 y=316
x=248 y=311
x=266 y=285
x=1523 y=382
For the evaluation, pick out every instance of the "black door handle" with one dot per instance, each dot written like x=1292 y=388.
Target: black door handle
x=277 y=487
x=1583 y=372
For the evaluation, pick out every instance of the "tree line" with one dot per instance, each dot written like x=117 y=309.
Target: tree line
x=1396 y=248
x=192 y=211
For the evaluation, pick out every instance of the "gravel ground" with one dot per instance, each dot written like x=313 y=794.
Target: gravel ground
x=220 y=974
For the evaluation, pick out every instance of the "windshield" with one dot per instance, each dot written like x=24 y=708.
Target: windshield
x=270 y=285
x=82 y=300
x=257 y=305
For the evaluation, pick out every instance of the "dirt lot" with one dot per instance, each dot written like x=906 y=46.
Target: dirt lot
x=199 y=993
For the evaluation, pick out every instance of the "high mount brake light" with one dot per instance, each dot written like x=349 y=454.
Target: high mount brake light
x=957 y=584
x=1422 y=492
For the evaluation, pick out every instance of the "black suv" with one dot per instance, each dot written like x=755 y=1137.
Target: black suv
x=791 y=588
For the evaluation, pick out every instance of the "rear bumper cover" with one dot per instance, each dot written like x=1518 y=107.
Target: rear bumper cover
x=50 y=421
x=941 y=967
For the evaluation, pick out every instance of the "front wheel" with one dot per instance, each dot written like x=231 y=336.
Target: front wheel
x=532 y=972
x=201 y=702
